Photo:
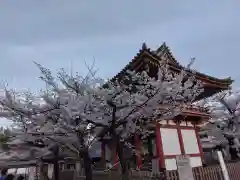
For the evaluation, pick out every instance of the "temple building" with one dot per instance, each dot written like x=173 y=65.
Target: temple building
x=178 y=136
x=171 y=138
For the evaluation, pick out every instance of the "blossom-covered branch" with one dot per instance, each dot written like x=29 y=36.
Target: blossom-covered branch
x=87 y=109
x=225 y=112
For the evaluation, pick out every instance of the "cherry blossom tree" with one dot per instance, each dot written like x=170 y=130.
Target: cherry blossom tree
x=225 y=110
x=75 y=112
x=54 y=116
x=137 y=100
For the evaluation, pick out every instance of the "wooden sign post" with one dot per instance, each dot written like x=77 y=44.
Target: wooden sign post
x=223 y=165
x=184 y=168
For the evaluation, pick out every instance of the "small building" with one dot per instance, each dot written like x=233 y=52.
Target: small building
x=178 y=136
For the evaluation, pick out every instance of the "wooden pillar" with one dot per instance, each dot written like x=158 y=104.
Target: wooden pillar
x=115 y=158
x=159 y=147
x=43 y=171
x=199 y=143
x=180 y=138
x=138 y=150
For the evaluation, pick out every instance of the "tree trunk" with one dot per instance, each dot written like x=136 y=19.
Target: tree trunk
x=55 y=151
x=87 y=162
x=123 y=161
x=111 y=154
x=233 y=152
x=56 y=169
x=43 y=172
x=232 y=149
x=119 y=146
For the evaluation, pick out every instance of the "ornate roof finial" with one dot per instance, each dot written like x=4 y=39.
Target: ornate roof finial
x=144 y=46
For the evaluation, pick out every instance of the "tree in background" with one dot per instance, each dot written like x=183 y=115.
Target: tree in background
x=225 y=111
x=75 y=112
x=4 y=138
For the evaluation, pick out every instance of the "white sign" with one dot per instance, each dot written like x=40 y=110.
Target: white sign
x=184 y=168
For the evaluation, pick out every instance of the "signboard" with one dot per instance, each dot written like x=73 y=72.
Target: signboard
x=184 y=168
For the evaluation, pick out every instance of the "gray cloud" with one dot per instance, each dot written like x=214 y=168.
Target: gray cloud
x=57 y=32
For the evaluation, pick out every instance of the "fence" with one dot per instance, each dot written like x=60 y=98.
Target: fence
x=200 y=173
x=212 y=173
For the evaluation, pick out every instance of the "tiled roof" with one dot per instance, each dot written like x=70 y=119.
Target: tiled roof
x=172 y=61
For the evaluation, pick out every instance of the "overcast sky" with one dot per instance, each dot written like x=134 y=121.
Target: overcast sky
x=56 y=33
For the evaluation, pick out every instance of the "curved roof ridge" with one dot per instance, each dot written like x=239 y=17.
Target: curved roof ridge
x=166 y=48
x=157 y=55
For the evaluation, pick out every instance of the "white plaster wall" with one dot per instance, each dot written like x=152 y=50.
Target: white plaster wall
x=170 y=141
x=183 y=123
x=190 y=141
x=195 y=161
x=163 y=122
x=189 y=123
x=171 y=122
x=170 y=164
